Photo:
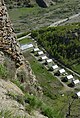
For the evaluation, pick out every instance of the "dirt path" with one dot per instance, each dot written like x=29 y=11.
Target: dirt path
x=64 y=20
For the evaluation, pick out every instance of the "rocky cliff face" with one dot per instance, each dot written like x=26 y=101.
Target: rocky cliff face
x=10 y=46
x=8 y=43
x=10 y=51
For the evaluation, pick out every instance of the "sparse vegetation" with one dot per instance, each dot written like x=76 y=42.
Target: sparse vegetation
x=3 y=72
x=26 y=19
x=8 y=114
x=25 y=41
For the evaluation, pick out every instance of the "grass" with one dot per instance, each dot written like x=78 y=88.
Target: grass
x=3 y=71
x=8 y=114
x=25 y=19
x=52 y=103
x=25 y=41
x=53 y=91
x=45 y=78
x=52 y=88
x=76 y=68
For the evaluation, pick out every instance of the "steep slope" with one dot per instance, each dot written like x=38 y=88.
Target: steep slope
x=10 y=47
x=14 y=69
x=8 y=42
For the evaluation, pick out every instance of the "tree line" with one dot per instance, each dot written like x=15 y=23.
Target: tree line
x=62 y=42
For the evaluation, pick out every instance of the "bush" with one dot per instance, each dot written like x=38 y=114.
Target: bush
x=47 y=111
x=35 y=103
x=18 y=83
x=8 y=114
x=3 y=71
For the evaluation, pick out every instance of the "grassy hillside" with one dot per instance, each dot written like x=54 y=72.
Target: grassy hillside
x=25 y=18
x=62 y=43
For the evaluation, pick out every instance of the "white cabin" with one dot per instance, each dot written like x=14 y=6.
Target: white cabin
x=61 y=71
x=69 y=77
x=76 y=81
x=36 y=49
x=54 y=67
x=78 y=94
x=40 y=53
x=48 y=60
x=43 y=57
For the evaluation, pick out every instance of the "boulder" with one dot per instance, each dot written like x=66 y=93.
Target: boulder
x=45 y=3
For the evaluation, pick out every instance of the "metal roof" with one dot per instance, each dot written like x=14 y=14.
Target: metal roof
x=40 y=53
x=44 y=57
x=69 y=77
x=55 y=67
x=62 y=71
x=26 y=46
x=49 y=60
x=36 y=49
x=76 y=81
x=78 y=94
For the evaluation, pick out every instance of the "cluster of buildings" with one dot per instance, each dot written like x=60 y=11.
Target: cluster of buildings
x=55 y=68
x=58 y=71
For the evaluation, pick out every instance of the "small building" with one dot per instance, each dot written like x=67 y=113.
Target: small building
x=78 y=94
x=48 y=61
x=43 y=58
x=76 y=81
x=40 y=53
x=35 y=49
x=26 y=46
x=73 y=82
x=60 y=72
x=54 y=67
x=69 y=77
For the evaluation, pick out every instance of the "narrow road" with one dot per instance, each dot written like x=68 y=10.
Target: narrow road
x=21 y=38
x=64 y=20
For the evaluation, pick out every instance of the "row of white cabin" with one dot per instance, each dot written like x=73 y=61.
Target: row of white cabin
x=55 y=66
x=70 y=77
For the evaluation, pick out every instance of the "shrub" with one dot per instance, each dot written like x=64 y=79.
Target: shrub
x=35 y=103
x=3 y=71
x=47 y=111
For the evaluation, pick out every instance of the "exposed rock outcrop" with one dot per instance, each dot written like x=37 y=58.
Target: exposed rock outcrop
x=8 y=41
x=9 y=45
x=7 y=103
x=45 y=3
